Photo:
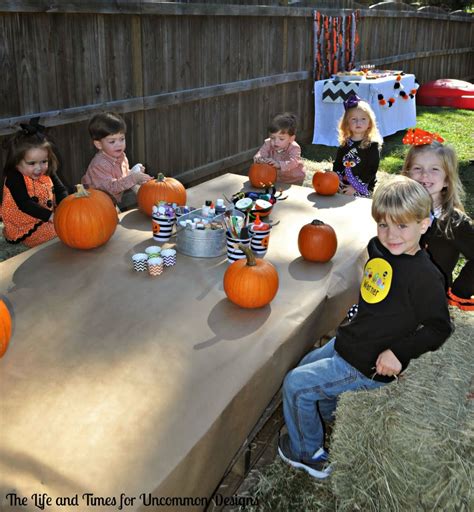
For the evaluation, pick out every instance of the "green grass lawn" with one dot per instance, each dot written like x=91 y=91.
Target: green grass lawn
x=454 y=125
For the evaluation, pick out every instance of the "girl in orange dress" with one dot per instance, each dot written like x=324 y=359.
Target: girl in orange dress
x=31 y=188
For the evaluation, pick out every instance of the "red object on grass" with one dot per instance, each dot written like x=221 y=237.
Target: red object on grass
x=446 y=92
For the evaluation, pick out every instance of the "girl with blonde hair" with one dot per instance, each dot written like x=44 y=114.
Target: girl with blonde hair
x=435 y=166
x=358 y=156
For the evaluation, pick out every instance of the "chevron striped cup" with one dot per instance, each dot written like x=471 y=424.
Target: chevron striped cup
x=139 y=261
x=155 y=266
x=153 y=251
x=169 y=257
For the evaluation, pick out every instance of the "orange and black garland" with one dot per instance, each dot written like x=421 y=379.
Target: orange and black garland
x=335 y=42
x=399 y=91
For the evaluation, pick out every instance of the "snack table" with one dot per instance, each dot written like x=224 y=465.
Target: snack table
x=119 y=382
x=327 y=112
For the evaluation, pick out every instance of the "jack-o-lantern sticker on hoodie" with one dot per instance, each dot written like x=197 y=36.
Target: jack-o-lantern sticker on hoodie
x=376 y=281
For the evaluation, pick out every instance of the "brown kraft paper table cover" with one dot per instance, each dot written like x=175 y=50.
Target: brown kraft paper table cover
x=118 y=382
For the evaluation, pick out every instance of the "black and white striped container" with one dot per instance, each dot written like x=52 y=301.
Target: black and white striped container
x=259 y=241
x=233 y=251
x=162 y=227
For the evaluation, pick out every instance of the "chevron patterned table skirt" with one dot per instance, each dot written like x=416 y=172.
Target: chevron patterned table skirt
x=328 y=106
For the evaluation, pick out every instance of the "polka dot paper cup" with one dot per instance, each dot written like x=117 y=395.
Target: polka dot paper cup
x=169 y=257
x=155 y=266
x=139 y=261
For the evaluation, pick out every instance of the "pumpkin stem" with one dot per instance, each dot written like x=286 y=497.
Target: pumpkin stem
x=81 y=191
x=160 y=177
x=249 y=255
x=317 y=222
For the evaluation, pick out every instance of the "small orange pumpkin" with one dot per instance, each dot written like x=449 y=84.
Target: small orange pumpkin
x=85 y=219
x=326 y=183
x=262 y=175
x=317 y=241
x=5 y=327
x=251 y=283
x=152 y=192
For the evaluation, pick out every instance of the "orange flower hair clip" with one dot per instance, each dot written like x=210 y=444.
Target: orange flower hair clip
x=417 y=137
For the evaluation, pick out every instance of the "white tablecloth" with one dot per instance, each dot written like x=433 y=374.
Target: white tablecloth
x=401 y=115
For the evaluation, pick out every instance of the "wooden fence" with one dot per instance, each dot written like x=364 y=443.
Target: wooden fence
x=196 y=83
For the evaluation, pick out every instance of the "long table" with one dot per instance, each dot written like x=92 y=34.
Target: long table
x=118 y=383
x=401 y=115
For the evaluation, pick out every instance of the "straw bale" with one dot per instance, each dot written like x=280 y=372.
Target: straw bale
x=409 y=445
x=406 y=447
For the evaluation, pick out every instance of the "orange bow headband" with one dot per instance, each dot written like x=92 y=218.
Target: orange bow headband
x=417 y=137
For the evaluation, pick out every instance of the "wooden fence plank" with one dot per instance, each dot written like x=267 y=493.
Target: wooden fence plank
x=154 y=7
x=418 y=55
x=196 y=84
x=75 y=114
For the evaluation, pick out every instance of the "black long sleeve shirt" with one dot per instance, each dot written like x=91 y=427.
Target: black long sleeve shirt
x=402 y=307
x=445 y=253
x=362 y=163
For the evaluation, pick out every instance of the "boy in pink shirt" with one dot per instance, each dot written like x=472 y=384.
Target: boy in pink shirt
x=109 y=170
x=281 y=150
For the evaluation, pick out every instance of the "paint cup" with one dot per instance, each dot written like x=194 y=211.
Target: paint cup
x=155 y=266
x=233 y=251
x=169 y=257
x=153 y=251
x=162 y=227
x=139 y=261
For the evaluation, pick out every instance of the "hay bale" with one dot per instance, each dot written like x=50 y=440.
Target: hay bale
x=409 y=445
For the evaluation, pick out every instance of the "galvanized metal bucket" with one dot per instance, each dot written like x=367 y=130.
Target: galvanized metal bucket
x=201 y=243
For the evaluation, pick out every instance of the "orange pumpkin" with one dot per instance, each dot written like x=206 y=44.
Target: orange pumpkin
x=85 y=219
x=326 y=183
x=317 y=241
x=5 y=327
x=262 y=175
x=152 y=192
x=251 y=283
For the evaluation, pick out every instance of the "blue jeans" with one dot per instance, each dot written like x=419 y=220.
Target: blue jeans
x=310 y=394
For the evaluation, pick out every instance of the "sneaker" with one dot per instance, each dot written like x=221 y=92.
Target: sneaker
x=317 y=467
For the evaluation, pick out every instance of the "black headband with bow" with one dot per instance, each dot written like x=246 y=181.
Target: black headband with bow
x=33 y=128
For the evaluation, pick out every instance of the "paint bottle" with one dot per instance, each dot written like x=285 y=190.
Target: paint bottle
x=220 y=207
x=205 y=209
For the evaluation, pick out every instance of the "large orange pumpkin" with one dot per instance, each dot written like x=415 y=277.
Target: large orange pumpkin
x=85 y=219
x=5 y=327
x=317 y=241
x=251 y=283
x=326 y=183
x=262 y=175
x=152 y=192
